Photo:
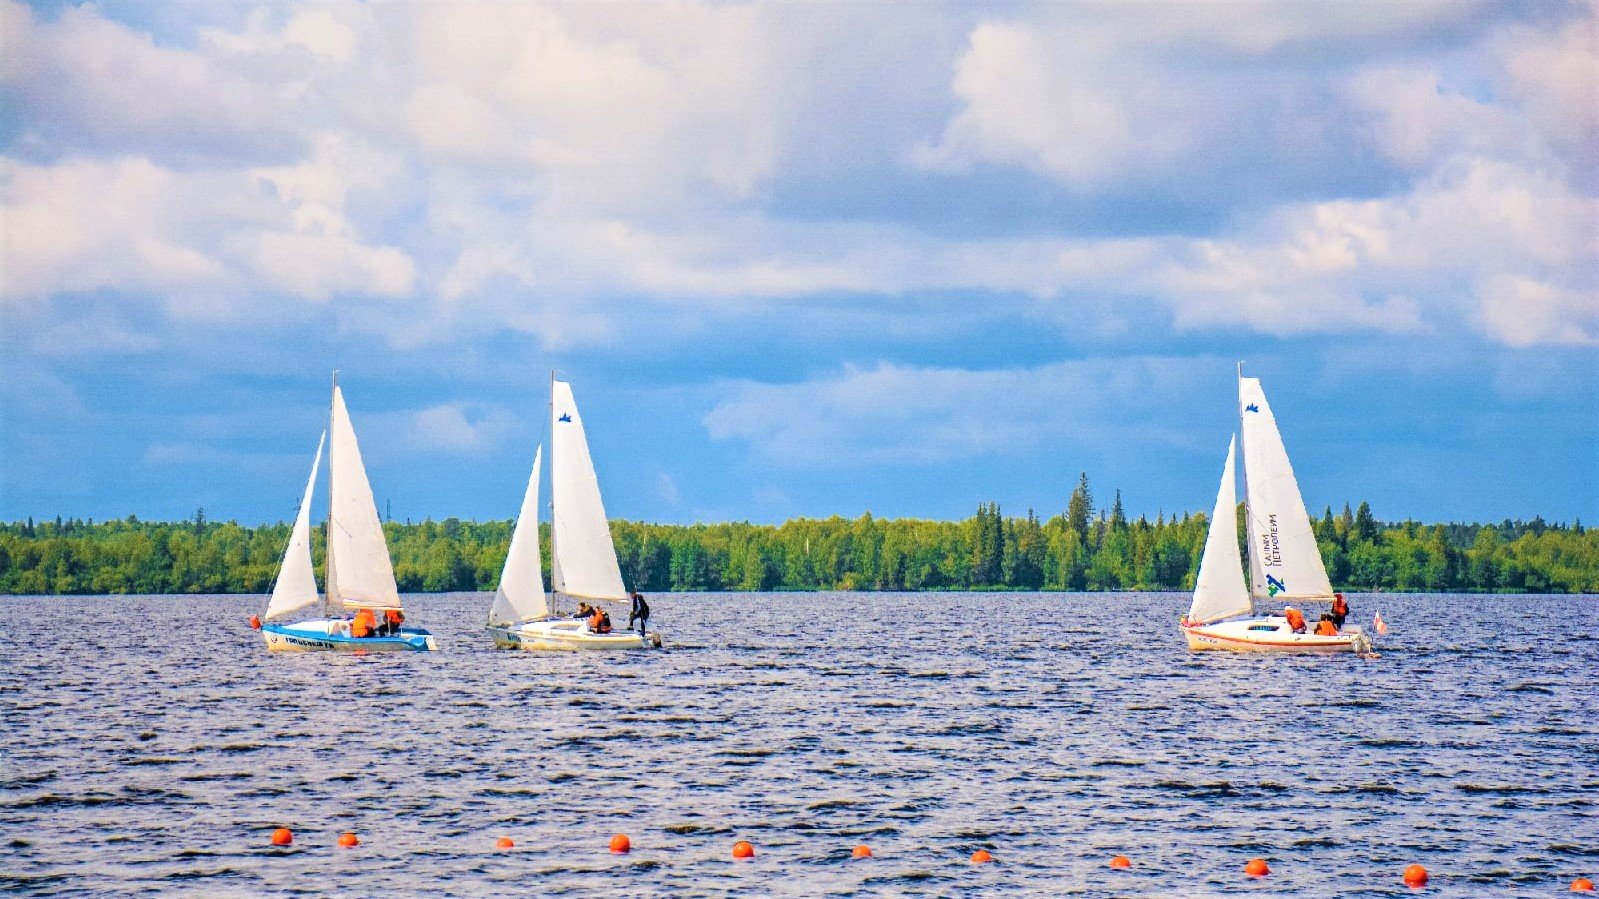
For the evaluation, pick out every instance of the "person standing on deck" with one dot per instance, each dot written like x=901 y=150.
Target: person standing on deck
x=1340 y=610
x=640 y=612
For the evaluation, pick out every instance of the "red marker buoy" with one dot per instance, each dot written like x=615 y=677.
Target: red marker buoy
x=349 y=840
x=1257 y=867
x=861 y=851
x=1582 y=885
x=282 y=836
x=255 y=622
x=1121 y=861
x=1415 y=876
x=981 y=857
x=505 y=843
x=743 y=849
x=621 y=845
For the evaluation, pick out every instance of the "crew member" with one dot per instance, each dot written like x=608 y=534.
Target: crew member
x=640 y=612
x=1340 y=610
x=392 y=619
x=584 y=610
x=1296 y=619
x=600 y=622
x=364 y=624
x=1325 y=627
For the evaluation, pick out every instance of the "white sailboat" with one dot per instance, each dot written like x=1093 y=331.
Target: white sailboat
x=583 y=564
x=1285 y=563
x=359 y=573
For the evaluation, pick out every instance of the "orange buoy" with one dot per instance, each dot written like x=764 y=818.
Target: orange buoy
x=861 y=851
x=255 y=622
x=348 y=840
x=1582 y=885
x=743 y=849
x=981 y=857
x=282 y=836
x=1257 y=868
x=621 y=845
x=1121 y=861
x=505 y=843
x=1415 y=876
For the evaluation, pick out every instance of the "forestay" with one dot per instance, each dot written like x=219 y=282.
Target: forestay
x=1285 y=562
x=584 y=558
x=360 y=574
x=296 y=585
x=1219 y=591
x=521 y=593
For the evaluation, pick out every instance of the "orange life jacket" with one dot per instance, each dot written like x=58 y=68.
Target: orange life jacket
x=1296 y=620
x=594 y=621
x=1325 y=628
x=394 y=617
x=363 y=624
x=1340 y=608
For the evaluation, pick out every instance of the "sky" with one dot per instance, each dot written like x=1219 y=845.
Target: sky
x=799 y=259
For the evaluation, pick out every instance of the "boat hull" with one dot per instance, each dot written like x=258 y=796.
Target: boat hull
x=1270 y=634
x=333 y=635
x=567 y=635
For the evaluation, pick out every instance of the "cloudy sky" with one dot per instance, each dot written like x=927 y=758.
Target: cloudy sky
x=799 y=259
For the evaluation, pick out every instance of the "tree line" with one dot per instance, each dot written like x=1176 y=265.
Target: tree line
x=1083 y=548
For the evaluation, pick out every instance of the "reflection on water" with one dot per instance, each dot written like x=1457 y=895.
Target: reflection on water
x=157 y=750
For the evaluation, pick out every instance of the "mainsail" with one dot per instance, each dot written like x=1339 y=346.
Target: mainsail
x=1219 y=591
x=521 y=594
x=360 y=575
x=1285 y=562
x=296 y=585
x=583 y=562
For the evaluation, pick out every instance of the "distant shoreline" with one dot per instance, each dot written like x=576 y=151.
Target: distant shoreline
x=1079 y=551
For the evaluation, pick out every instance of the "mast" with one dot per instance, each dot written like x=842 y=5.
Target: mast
x=1243 y=470
x=555 y=565
x=330 y=579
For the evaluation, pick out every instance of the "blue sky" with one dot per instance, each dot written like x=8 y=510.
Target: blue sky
x=799 y=259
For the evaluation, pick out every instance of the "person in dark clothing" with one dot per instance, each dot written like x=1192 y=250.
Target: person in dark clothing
x=1340 y=610
x=640 y=613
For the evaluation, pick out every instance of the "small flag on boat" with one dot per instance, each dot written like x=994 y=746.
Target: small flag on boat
x=1379 y=625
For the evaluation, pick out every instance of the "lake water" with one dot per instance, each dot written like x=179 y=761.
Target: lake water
x=150 y=743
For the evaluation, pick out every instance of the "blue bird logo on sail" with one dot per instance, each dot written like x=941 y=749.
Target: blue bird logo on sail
x=565 y=416
x=1274 y=586
x=1251 y=408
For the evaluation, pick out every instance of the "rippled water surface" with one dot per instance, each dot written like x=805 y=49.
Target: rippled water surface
x=150 y=743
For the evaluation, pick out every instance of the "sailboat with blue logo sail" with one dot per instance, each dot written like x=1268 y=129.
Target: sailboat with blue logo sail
x=360 y=576
x=583 y=565
x=1285 y=565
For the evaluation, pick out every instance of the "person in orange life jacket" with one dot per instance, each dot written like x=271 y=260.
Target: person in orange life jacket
x=640 y=612
x=392 y=619
x=1296 y=619
x=1325 y=627
x=600 y=622
x=1340 y=610
x=364 y=624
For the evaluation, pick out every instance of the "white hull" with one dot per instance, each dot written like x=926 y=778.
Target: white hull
x=1270 y=634
x=567 y=635
x=333 y=635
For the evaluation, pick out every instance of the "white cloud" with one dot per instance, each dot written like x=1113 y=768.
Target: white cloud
x=1524 y=312
x=459 y=427
x=896 y=415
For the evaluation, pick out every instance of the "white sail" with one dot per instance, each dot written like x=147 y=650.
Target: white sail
x=521 y=593
x=296 y=585
x=360 y=574
x=1285 y=562
x=1219 y=591
x=584 y=558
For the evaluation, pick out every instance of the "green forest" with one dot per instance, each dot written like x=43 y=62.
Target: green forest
x=1083 y=548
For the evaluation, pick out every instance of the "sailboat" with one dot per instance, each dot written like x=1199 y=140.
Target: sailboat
x=1285 y=563
x=359 y=573
x=583 y=564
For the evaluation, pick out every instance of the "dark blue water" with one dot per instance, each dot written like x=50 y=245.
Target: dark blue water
x=150 y=744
